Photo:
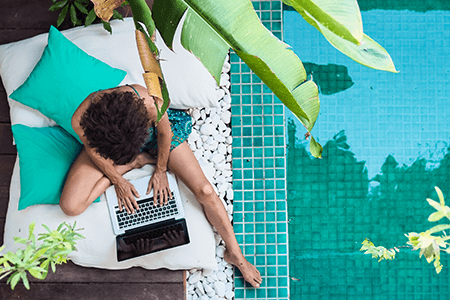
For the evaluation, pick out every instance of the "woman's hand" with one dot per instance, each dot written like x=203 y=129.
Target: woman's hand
x=126 y=193
x=160 y=186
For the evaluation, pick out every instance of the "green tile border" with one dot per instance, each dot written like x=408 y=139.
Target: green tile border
x=259 y=172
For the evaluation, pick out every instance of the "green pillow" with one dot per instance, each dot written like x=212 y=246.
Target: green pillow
x=45 y=157
x=64 y=76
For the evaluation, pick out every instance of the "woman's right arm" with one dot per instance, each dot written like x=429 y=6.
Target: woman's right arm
x=125 y=191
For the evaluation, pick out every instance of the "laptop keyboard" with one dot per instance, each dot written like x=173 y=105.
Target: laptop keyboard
x=147 y=212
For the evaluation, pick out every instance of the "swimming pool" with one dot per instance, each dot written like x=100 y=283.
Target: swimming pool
x=386 y=145
x=386 y=141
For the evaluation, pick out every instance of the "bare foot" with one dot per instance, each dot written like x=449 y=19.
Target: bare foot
x=249 y=271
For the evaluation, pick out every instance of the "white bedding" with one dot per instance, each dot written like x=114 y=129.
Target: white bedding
x=98 y=249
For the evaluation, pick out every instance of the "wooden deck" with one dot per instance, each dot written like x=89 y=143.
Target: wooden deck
x=20 y=19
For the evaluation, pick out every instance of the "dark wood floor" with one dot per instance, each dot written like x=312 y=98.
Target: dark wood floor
x=20 y=19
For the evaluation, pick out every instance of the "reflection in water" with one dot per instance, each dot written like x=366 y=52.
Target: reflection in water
x=330 y=79
x=332 y=209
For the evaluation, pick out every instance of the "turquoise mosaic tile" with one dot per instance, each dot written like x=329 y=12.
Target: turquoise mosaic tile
x=259 y=172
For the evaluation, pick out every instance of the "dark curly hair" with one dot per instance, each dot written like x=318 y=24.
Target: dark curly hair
x=115 y=125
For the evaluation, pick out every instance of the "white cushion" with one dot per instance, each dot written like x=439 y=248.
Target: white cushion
x=188 y=81
x=99 y=247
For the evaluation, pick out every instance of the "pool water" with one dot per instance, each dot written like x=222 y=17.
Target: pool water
x=386 y=141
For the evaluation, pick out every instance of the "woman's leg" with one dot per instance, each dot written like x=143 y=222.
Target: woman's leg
x=85 y=182
x=183 y=163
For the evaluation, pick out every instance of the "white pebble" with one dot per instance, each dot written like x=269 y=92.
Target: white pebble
x=207 y=129
x=207 y=272
x=196 y=115
x=227 y=98
x=224 y=80
x=199 y=143
x=229 y=286
x=220 y=251
x=222 y=149
x=194 y=136
x=215 y=119
x=229 y=272
x=217 y=158
x=222 y=276
x=199 y=287
x=220 y=268
x=194 y=278
x=229 y=295
x=226 y=116
x=217 y=239
x=220 y=288
x=212 y=278
x=219 y=138
x=229 y=140
x=207 y=154
x=221 y=166
x=203 y=114
x=230 y=209
x=230 y=194
x=220 y=94
x=223 y=128
x=227 y=173
x=226 y=67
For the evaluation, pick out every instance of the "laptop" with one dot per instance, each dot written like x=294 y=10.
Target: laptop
x=151 y=228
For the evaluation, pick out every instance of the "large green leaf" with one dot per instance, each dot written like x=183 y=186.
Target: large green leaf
x=211 y=27
x=368 y=52
x=342 y=17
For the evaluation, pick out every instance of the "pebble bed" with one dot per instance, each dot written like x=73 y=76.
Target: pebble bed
x=210 y=141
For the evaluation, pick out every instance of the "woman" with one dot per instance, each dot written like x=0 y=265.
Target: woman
x=118 y=130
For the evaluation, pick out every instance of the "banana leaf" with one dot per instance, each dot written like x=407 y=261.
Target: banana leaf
x=340 y=23
x=223 y=25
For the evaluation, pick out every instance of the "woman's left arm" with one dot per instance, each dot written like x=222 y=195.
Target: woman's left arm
x=158 y=182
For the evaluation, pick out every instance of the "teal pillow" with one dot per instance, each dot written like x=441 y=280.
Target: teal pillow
x=45 y=157
x=64 y=76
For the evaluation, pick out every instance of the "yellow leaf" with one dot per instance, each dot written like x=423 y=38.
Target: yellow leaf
x=104 y=8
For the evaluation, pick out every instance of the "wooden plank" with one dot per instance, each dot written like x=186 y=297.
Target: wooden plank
x=4 y=108
x=94 y=291
x=27 y=14
x=14 y=35
x=6 y=146
x=2 y=229
x=75 y=274
x=6 y=168
x=4 y=200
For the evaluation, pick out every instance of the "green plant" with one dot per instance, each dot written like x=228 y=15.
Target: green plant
x=430 y=245
x=36 y=259
x=81 y=12
x=212 y=27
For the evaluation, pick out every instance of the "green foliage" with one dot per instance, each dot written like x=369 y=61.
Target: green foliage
x=379 y=252
x=430 y=245
x=54 y=248
x=81 y=12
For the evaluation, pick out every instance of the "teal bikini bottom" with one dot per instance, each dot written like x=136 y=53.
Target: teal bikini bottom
x=181 y=125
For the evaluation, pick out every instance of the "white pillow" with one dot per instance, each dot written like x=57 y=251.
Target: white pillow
x=188 y=81
x=99 y=248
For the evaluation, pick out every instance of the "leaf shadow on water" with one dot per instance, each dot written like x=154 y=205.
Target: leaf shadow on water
x=330 y=78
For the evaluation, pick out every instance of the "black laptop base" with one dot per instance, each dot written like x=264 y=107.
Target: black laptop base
x=151 y=238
